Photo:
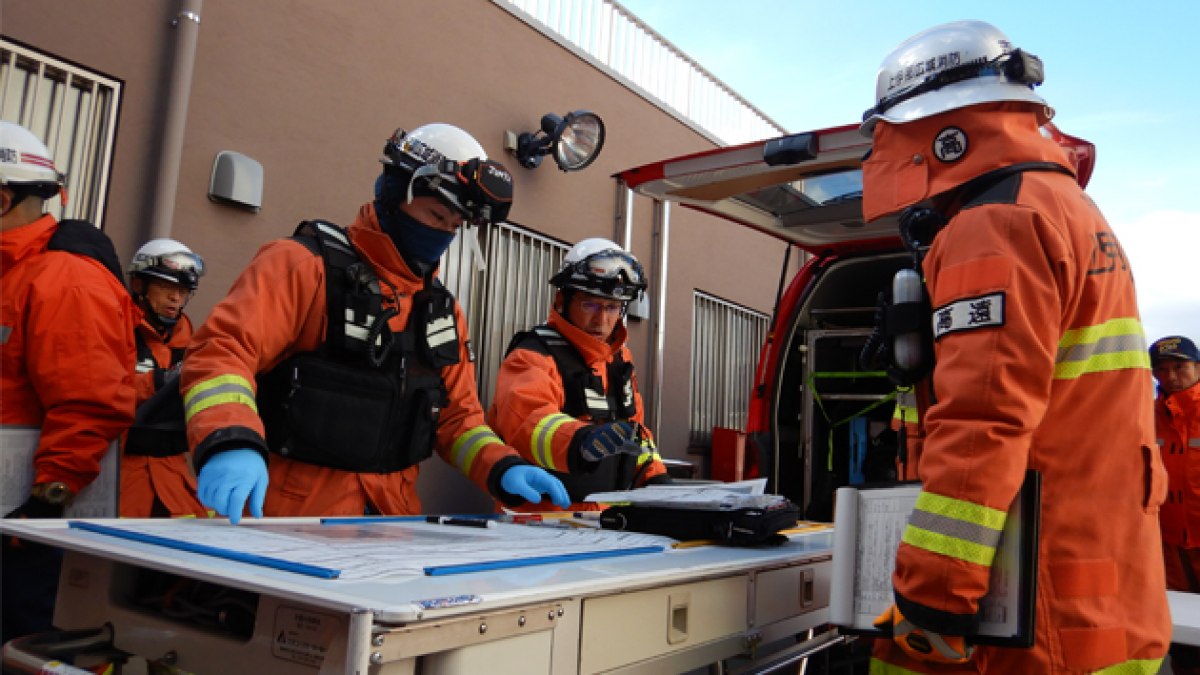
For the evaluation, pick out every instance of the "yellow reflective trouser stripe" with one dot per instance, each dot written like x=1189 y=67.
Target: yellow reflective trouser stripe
x=905 y=413
x=955 y=528
x=1133 y=667
x=467 y=447
x=542 y=441
x=1118 y=344
x=218 y=390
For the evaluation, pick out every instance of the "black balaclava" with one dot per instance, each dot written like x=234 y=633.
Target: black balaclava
x=419 y=245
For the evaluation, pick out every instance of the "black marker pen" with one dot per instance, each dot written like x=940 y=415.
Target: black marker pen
x=465 y=522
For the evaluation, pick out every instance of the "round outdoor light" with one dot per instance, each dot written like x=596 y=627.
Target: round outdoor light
x=575 y=141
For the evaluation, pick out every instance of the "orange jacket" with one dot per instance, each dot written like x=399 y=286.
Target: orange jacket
x=66 y=360
x=1177 y=423
x=1041 y=364
x=530 y=399
x=169 y=478
x=277 y=308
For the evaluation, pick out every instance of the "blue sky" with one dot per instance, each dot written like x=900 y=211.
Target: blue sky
x=1121 y=75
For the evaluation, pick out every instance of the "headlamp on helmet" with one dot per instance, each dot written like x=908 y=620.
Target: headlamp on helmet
x=952 y=66
x=478 y=188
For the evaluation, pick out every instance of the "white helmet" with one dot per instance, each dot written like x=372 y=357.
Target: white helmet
x=953 y=66
x=25 y=161
x=441 y=160
x=600 y=267
x=168 y=260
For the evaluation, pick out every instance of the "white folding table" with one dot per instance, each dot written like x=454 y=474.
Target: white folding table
x=665 y=612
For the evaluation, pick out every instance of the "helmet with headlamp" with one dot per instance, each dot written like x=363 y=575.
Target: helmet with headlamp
x=443 y=161
x=953 y=66
x=602 y=268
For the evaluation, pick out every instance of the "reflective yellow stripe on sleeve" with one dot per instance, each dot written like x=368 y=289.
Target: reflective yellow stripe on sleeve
x=1118 y=344
x=467 y=447
x=1132 y=667
x=218 y=390
x=955 y=528
x=542 y=441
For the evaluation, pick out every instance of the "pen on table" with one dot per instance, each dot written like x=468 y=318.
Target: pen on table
x=694 y=543
x=465 y=522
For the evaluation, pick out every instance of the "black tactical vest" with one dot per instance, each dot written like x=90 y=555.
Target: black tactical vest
x=367 y=400
x=585 y=394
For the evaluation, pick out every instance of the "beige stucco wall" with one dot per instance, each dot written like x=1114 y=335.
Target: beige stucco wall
x=312 y=88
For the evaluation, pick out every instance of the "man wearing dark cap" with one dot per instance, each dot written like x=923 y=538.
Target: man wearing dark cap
x=1177 y=421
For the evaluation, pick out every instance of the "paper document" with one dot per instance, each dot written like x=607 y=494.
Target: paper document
x=743 y=494
x=17 y=446
x=869 y=525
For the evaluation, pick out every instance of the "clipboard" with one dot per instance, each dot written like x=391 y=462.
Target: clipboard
x=868 y=526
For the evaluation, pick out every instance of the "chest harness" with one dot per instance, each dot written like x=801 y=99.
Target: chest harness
x=368 y=399
x=585 y=396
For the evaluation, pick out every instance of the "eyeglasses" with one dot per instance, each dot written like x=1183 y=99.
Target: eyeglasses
x=596 y=307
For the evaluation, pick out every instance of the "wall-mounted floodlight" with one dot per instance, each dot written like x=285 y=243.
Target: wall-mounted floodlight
x=575 y=141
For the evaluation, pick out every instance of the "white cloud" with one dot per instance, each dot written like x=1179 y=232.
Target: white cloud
x=1164 y=249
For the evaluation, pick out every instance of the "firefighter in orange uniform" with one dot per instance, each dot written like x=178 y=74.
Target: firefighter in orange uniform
x=1177 y=422
x=155 y=477
x=361 y=358
x=566 y=396
x=66 y=362
x=1039 y=363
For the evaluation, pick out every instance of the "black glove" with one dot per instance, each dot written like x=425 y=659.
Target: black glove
x=611 y=439
x=32 y=508
x=36 y=508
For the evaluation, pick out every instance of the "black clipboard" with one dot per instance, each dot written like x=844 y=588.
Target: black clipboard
x=1020 y=550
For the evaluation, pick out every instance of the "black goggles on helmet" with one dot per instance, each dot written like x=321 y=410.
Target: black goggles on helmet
x=612 y=273
x=1018 y=67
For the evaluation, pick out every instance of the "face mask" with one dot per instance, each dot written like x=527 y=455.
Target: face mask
x=413 y=239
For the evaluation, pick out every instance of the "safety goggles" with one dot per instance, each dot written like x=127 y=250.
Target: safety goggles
x=1018 y=67
x=177 y=262
x=613 y=273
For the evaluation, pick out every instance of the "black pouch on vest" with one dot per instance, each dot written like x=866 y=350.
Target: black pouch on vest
x=742 y=526
x=159 y=429
x=436 y=326
x=427 y=404
x=329 y=406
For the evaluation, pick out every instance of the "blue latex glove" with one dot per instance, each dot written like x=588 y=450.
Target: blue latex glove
x=229 y=478
x=611 y=439
x=532 y=482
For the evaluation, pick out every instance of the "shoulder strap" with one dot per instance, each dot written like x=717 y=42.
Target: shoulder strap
x=351 y=313
x=1001 y=186
x=82 y=238
x=583 y=388
x=143 y=349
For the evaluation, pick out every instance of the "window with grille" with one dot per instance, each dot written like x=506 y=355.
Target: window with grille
x=726 y=340
x=510 y=293
x=74 y=112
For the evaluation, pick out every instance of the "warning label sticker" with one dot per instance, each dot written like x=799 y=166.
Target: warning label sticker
x=304 y=636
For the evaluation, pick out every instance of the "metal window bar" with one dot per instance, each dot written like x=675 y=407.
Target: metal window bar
x=512 y=294
x=726 y=339
x=611 y=38
x=74 y=112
